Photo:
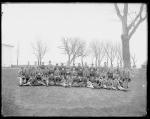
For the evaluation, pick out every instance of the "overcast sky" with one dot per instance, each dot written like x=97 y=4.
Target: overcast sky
x=25 y=23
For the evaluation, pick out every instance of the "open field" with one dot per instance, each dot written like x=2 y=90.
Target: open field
x=60 y=101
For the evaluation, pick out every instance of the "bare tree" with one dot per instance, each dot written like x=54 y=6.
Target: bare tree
x=97 y=49
x=101 y=53
x=40 y=50
x=73 y=48
x=94 y=49
x=133 y=60
x=110 y=50
x=128 y=29
x=84 y=54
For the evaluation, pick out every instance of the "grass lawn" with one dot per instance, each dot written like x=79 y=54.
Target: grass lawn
x=60 y=101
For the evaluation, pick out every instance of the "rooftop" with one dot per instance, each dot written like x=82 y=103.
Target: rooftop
x=7 y=45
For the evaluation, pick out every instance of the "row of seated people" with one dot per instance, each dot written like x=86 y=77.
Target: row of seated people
x=79 y=77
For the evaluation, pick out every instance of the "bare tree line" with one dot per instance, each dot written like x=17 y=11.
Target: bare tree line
x=75 y=48
x=39 y=50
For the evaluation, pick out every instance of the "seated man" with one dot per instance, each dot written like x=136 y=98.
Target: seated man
x=69 y=81
x=45 y=79
x=79 y=70
x=62 y=71
x=89 y=84
x=82 y=82
x=22 y=80
x=51 y=80
x=74 y=77
x=109 y=84
x=38 y=80
x=92 y=71
x=96 y=83
x=104 y=82
x=57 y=77
x=116 y=84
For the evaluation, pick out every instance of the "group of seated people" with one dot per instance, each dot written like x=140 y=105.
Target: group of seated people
x=75 y=76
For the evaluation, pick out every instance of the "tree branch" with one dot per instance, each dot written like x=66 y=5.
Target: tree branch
x=136 y=26
x=138 y=15
x=118 y=11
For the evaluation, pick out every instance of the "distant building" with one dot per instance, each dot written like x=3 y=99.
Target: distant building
x=7 y=56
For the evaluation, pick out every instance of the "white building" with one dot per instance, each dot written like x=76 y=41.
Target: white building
x=7 y=56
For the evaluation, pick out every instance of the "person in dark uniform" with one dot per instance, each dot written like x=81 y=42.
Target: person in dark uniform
x=51 y=80
x=98 y=73
x=80 y=70
x=74 y=74
x=56 y=66
x=92 y=72
x=27 y=74
x=86 y=72
x=42 y=66
x=50 y=68
x=68 y=80
x=63 y=70
x=38 y=80
x=73 y=67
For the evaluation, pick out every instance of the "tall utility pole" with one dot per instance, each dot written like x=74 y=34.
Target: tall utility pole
x=18 y=48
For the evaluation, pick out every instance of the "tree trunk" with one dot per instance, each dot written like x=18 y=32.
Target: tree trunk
x=99 y=63
x=82 y=61
x=107 y=62
x=38 y=62
x=73 y=61
x=120 y=63
x=17 y=61
x=111 y=64
x=96 y=62
x=68 y=63
x=126 y=51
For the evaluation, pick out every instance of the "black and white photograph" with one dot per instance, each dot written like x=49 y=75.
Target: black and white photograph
x=74 y=59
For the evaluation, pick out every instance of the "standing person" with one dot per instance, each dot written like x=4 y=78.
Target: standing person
x=50 y=68
x=68 y=78
x=86 y=72
x=105 y=68
x=63 y=70
x=42 y=66
x=56 y=66
x=57 y=76
x=126 y=78
x=92 y=72
x=21 y=75
x=80 y=70
x=86 y=75
x=51 y=80
x=74 y=77
x=73 y=67
x=97 y=73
